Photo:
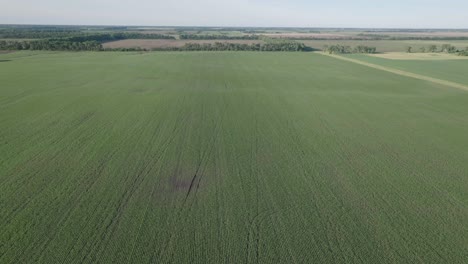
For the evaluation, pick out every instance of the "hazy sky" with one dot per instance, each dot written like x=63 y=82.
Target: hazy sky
x=292 y=13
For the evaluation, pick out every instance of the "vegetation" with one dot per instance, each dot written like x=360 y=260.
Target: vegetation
x=226 y=46
x=233 y=157
x=341 y=49
x=215 y=37
x=55 y=45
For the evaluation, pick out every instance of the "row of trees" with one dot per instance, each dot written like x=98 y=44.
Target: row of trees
x=283 y=46
x=445 y=48
x=39 y=33
x=217 y=37
x=114 y=37
x=51 y=45
x=76 y=42
x=97 y=46
x=74 y=34
x=340 y=49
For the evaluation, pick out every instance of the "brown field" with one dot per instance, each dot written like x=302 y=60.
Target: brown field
x=168 y=43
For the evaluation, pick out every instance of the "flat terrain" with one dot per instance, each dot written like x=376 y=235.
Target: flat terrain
x=387 y=45
x=453 y=70
x=230 y=157
x=167 y=43
x=419 y=56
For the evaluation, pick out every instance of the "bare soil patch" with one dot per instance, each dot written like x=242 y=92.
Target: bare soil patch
x=168 y=43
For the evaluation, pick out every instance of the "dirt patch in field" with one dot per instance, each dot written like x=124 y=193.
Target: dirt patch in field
x=418 y=56
x=168 y=43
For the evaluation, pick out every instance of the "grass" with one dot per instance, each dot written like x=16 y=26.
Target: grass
x=228 y=157
x=451 y=70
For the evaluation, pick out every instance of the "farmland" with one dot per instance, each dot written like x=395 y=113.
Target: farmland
x=230 y=157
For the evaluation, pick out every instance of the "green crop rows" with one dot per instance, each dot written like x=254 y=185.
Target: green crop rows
x=228 y=158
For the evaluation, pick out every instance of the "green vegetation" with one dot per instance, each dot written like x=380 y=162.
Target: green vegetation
x=215 y=37
x=228 y=157
x=50 y=45
x=340 y=49
x=226 y=46
x=450 y=70
x=76 y=42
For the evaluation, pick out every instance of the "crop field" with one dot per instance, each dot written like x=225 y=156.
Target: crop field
x=453 y=69
x=230 y=157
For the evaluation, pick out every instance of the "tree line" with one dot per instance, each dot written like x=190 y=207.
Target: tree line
x=74 y=33
x=91 y=42
x=97 y=46
x=113 y=37
x=217 y=37
x=219 y=46
x=341 y=49
x=51 y=45
x=445 y=48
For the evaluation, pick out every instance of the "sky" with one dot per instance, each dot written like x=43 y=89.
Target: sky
x=240 y=13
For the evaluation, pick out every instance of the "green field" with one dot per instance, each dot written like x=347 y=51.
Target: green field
x=228 y=158
x=452 y=70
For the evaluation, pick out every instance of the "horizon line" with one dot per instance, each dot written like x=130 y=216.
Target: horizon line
x=260 y=27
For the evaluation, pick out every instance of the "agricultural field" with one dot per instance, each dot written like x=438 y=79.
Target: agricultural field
x=452 y=68
x=230 y=157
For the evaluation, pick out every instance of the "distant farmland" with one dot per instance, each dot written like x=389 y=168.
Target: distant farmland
x=231 y=157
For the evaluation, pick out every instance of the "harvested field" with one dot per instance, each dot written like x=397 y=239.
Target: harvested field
x=167 y=43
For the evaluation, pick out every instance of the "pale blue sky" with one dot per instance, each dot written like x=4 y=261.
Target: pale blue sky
x=263 y=13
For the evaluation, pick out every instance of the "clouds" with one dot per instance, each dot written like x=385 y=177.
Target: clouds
x=332 y=13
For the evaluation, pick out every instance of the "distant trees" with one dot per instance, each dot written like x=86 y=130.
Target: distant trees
x=432 y=48
x=114 y=37
x=51 y=45
x=365 y=49
x=217 y=37
x=226 y=46
x=340 y=49
x=76 y=41
x=75 y=35
x=337 y=49
x=448 y=48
